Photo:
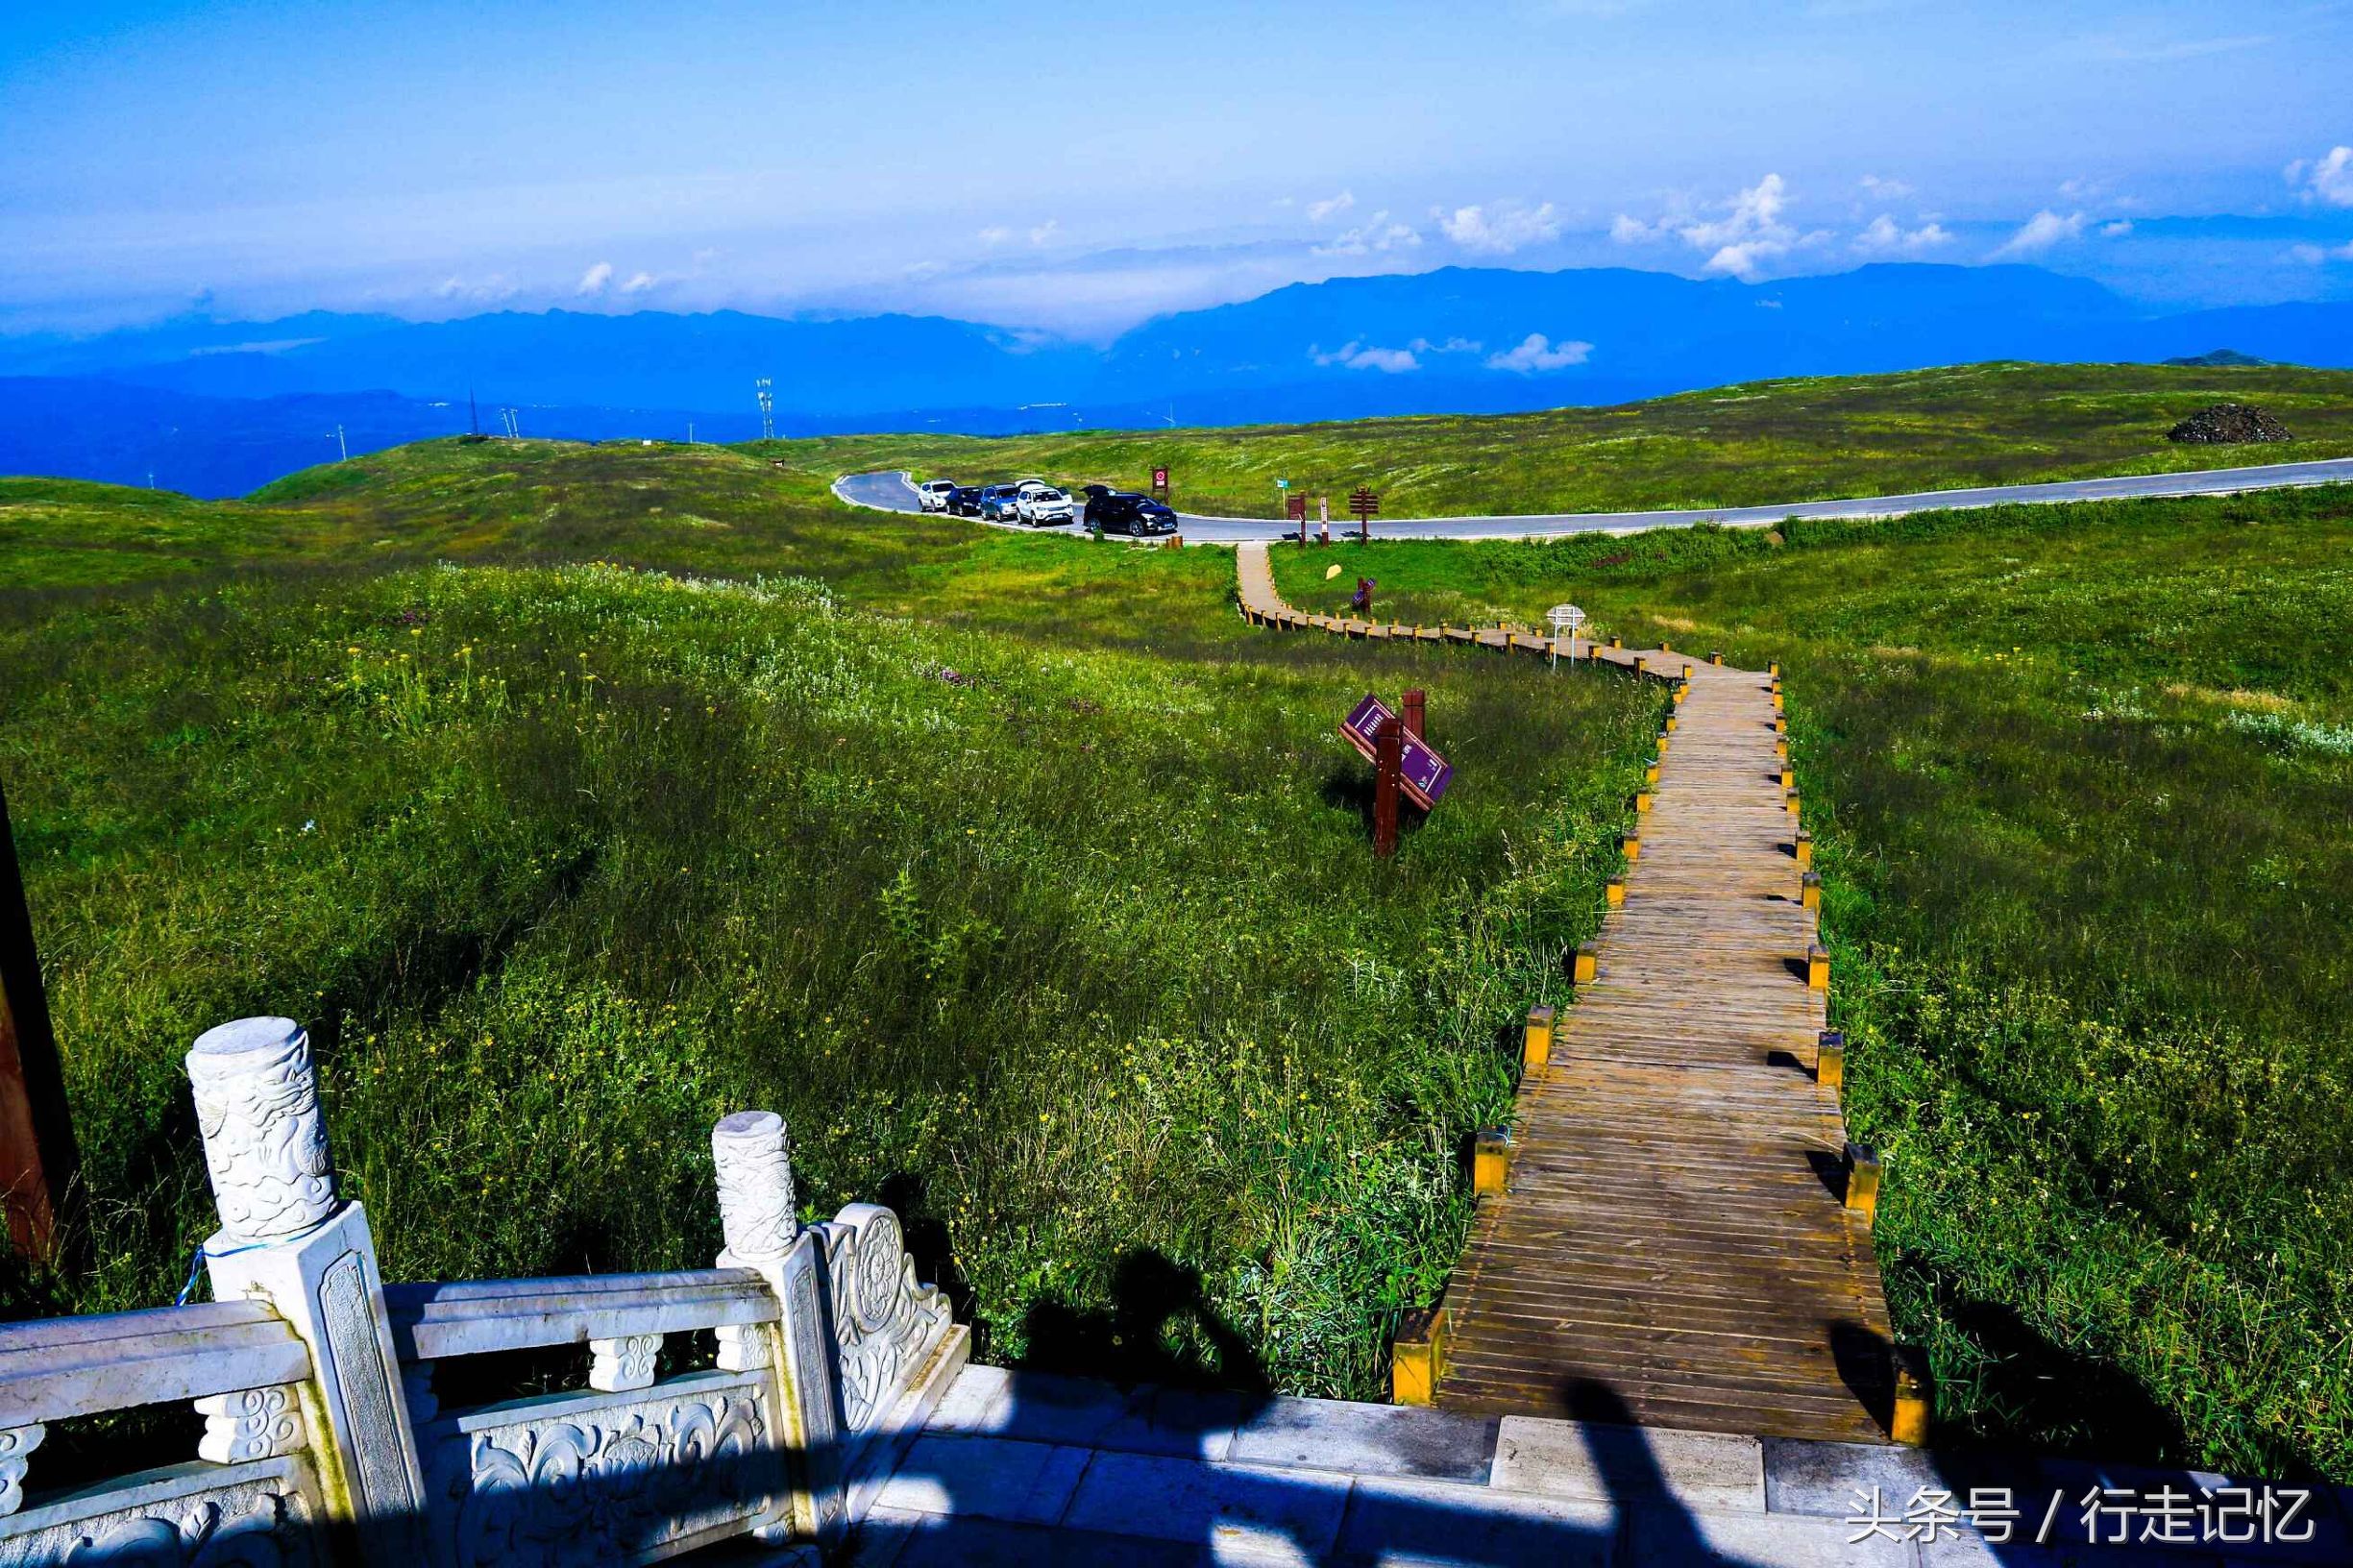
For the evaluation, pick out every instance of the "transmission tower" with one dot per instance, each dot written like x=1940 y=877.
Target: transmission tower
x=768 y=409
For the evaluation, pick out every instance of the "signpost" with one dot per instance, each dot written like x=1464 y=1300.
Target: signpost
x=1564 y=618
x=1366 y=505
x=1422 y=773
x=1296 y=510
x=1160 y=482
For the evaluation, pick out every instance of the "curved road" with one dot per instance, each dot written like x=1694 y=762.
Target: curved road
x=892 y=492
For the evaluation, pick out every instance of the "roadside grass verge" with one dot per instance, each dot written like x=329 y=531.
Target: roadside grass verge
x=2082 y=780
x=1800 y=439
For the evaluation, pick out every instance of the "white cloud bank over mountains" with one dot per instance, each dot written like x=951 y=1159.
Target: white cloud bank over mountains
x=1744 y=233
x=1536 y=353
x=1533 y=353
x=1499 y=231
x=2327 y=180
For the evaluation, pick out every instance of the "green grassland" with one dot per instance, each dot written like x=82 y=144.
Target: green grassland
x=1078 y=952
x=2082 y=780
x=1045 y=914
x=1809 y=440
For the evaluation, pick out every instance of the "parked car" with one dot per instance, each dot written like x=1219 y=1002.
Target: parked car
x=1124 y=511
x=934 y=494
x=1044 y=506
x=1000 y=503
x=965 y=501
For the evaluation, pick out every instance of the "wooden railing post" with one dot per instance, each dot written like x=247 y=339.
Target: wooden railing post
x=1536 y=1045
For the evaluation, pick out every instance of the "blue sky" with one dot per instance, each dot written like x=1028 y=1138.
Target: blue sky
x=1079 y=166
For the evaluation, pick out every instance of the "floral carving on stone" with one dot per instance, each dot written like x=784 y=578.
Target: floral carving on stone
x=265 y=1144
x=884 y=1321
x=605 y=1485
x=240 y=1527
x=752 y=1157
x=17 y=1446
x=256 y=1424
x=623 y=1364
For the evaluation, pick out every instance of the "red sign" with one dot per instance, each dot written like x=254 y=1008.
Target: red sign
x=1160 y=479
x=1426 y=774
x=1296 y=508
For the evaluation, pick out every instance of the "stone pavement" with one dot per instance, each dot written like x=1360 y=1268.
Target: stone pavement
x=1019 y=1468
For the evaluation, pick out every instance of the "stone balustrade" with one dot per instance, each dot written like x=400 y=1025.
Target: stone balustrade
x=325 y=1441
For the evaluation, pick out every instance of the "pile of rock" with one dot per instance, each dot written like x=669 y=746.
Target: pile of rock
x=2227 y=424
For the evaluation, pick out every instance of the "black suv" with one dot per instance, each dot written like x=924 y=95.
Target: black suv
x=1123 y=511
x=965 y=501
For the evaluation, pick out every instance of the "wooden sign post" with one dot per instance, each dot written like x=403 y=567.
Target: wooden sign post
x=1414 y=706
x=1388 y=773
x=1366 y=505
x=38 y=1158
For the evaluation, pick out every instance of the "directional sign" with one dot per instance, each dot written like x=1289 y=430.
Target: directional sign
x=1365 y=503
x=1426 y=774
x=1295 y=509
x=1565 y=618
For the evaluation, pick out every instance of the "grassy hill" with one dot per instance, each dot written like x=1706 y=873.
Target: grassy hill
x=1809 y=440
x=1032 y=887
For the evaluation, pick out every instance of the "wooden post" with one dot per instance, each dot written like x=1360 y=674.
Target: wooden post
x=1642 y=801
x=1615 y=891
x=1789 y=778
x=1389 y=772
x=1804 y=845
x=1793 y=802
x=1809 y=890
x=1817 y=967
x=1490 y=1161
x=38 y=1162
x=1716 y=656
x=1863 y=1180
x=1417 y=1358
x=1650 y=772
x=1629 y=845
x=1537 y=1046
x=1830 y=1058
x=1908 y=1424
x=1584 y=964
x=1413 y=714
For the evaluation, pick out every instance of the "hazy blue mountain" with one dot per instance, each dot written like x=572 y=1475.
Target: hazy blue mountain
x=219 y=407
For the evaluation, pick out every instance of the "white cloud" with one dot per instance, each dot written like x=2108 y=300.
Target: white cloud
x=594 y=279
x=2116 y=230
x=1884 y=190
x=996 y=233
x=1883 y=236
x=638 y=282
x=1500 y=232
x=1628 y=230
x=2328 y=179
x=1453 y=345
x=1044 y=233
x=479 y=290
x=1747 y=232
x=1364 y=356
x=1376 y=234
x=1331 y=207
x=2313 y=256
x=1536 y=353
x=2040 y=232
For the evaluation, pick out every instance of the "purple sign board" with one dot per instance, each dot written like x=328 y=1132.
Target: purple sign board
x=1425 y=773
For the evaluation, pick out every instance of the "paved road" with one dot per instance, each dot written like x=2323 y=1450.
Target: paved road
x=892 y=492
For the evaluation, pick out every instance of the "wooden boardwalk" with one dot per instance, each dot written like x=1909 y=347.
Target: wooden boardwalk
x=1671 y=1246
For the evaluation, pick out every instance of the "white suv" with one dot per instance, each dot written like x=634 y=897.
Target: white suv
x=1042 y=505
x=934 y=494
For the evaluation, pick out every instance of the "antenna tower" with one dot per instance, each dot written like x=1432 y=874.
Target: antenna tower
x=768 y=409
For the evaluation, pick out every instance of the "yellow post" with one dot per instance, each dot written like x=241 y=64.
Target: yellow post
x=1615 y=891
x=1909 y=1422
x=1670 y=724
x=1803 y=847
x=1809 y=890
x=1417 y=1358
x=1793 y=802
x=1630 y=845
x=1775 y=669
x=1536 y=1047
x=1585 y=965
x=1777 y=702
x=1817 y=967
x=1665 y=647
x=1617 y=642
x=1650 y=772
x=1716 y=656
x=1686 y=673
x=1830 y=1058
x=1490 y=1161
x=1789 y=779
x=1642 y=801
x=1781 y=726
x=1780 y=749
x=1863 y=1180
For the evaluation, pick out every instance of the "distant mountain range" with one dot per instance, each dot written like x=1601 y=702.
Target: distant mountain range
x=216 y=407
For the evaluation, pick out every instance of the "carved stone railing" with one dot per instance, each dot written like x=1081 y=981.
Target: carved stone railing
x=323 y=1433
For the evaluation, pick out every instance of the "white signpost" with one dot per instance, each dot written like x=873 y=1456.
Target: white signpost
x=1564 y=618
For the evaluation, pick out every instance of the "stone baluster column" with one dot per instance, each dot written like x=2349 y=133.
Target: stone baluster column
x=287 y=1240
x=753 y=1158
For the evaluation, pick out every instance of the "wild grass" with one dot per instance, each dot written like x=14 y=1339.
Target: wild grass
x=1072 y=950
x=1806 y=439
x=2081 y=788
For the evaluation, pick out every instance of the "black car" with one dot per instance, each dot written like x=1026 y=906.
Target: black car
x=1123 y=511
x=965 y=501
